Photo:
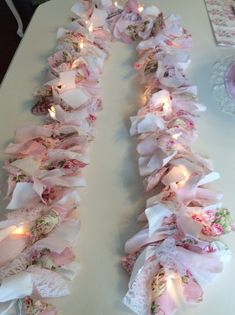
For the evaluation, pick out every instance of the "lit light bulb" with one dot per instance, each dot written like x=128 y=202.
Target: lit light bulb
x=52 y=112
x=117 y=5
x=186 y=174
x=81 y=44
x=174 y=288
x=177 y=135
x=143 y=98
x=90 y=29
x=140 y=8
x=21 y=230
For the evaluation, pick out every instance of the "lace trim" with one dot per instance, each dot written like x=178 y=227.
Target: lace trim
x=48 y=284
x=20 y=263
x=223 y=100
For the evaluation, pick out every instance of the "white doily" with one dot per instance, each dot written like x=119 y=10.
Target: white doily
x=219 y=79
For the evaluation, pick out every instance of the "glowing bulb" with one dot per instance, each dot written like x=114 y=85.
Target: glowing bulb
x=140 y=8
x=21 y=230
x=169 y=282
x=171 y=289
x=167 y=107
x=90 y=29
x=177 y=135
x=81 y=44
x=186 y=174
x=143 y=98
x=52 y=112
x=117 y=5
x=174 y=288
x=18 y=231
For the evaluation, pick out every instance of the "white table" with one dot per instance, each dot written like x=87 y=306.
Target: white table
x=114 y=195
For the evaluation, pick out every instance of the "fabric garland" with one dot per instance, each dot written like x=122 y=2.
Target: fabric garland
x=178 y=251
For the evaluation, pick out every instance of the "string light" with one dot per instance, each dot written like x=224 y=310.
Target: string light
x=174 y=288
x=18 y=231
x=177 y=135
x=81 y=44
x=184 y=171
x=52 y=112
x=140 y=8
x=21 y=230
x=90 y=27
x=117 y=5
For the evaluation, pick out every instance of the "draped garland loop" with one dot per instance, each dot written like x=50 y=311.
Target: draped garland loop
x=178 y=251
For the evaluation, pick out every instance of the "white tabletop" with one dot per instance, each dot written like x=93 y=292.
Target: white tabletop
x=114 y=195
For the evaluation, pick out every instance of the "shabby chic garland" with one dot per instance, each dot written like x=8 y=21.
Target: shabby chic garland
x=177 y=252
